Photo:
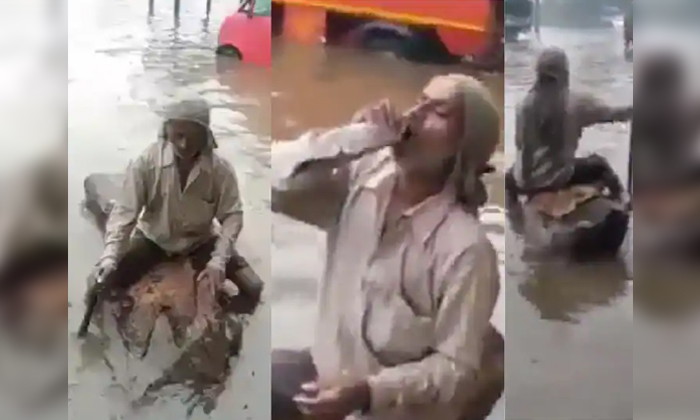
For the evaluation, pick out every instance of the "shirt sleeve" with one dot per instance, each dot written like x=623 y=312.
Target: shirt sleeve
x=125 y=214
x=229 y=213
x=311 y=178
x=448 y=376
x=593 y=110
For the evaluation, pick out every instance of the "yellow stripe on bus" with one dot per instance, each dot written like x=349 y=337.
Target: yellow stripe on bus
x=400 y=17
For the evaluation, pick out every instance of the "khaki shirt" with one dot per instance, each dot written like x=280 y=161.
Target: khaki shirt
x=407 y=309
x=177 y=219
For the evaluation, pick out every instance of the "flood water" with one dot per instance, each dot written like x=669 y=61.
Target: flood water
x=569 y=341
x=121 y=69
x=316 y=87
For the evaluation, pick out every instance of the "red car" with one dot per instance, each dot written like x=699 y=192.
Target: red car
x=247 y=34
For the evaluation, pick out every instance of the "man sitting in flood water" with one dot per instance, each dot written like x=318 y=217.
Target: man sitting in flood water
x=173 y=194
x=549 y=124
x=411 y=280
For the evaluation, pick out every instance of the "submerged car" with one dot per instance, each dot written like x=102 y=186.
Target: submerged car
x=247 y=34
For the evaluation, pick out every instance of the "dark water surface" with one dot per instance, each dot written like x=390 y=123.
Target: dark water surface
x=121 y=69
x=569 y=341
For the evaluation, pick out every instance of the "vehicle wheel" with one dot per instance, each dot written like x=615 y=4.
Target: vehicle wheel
x=229 y=51
x=384 y=41
x=420 y=47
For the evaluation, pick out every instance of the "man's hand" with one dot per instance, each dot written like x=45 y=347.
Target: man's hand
x=384 y=116
x=208 y=283
x=211 y=275
x=104 y=268
x=332 y=403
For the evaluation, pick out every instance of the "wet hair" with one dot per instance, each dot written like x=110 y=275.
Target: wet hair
x=195 y=110
x=553 y=65
x=481 y=135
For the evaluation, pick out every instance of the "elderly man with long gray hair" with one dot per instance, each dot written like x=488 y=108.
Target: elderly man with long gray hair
x=411 y=280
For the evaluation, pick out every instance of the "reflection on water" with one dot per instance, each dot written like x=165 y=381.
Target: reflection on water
x=567 y=298
x=569 y=341
x=122 y=67
x=316 y=87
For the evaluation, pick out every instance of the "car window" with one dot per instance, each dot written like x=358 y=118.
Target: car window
x=262 y=8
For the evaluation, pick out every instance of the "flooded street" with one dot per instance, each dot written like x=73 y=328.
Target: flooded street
x=667 y=300
x=569 y=341
x=121 y=69
x=317 y=87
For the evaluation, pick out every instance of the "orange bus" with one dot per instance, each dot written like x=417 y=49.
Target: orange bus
x=446 y=30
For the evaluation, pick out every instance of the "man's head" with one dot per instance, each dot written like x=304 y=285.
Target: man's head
x=188 y=138
x=434 y=127
x=186 y=127
x=552 y=69
x=454 y=126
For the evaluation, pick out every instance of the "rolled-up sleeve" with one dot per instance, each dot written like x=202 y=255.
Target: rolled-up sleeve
x=229 y=213
x=311 y=179
x=448 y=376
x=593 y=110
x=125 y=214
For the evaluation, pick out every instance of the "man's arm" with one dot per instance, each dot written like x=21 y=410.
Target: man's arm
x=312 y=174
x=448 y=376
x=127 y=210
x=592 y=111
x=229 y=213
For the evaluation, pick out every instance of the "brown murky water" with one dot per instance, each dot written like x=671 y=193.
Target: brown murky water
x=316 y=87
x=569 y=341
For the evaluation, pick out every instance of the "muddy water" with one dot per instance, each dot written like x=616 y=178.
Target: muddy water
x=569 y=341
x=121 y=68
x=313 y=88
x=667 y=299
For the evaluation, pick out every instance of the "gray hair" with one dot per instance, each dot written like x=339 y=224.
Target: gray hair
x=481 y=136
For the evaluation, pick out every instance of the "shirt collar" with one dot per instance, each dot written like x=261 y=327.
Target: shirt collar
x=167 y=158
x=426 y=216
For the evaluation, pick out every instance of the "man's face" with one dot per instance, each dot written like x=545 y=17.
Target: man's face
x=435 y=127
x=187 y=137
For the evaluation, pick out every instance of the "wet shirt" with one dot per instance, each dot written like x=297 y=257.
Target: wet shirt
x=404 y=301
x=546 y=158
x=177 y=219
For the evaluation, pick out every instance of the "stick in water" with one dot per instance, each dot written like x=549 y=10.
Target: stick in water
x=93 y=301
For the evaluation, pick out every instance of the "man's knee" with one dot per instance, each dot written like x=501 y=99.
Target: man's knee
x=248 y=281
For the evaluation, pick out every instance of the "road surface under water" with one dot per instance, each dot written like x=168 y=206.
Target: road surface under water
x=316 y=87
x=569 y=340
x=667 y=300
x=121 y=68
